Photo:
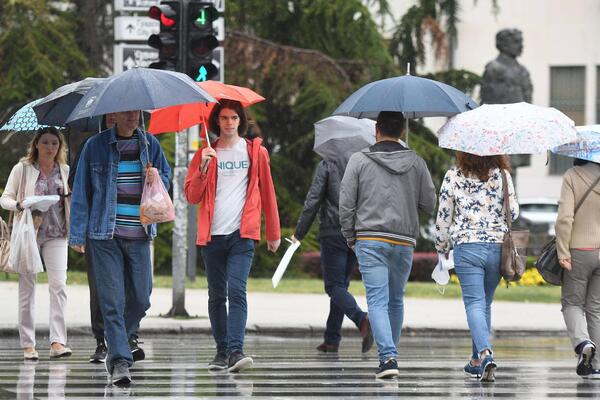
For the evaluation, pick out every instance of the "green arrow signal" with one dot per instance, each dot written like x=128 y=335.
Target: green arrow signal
x=201 y=20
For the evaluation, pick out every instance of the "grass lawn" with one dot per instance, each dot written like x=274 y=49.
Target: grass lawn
x=541 y=294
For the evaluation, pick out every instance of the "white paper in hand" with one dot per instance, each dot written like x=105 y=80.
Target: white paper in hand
x=283 y=264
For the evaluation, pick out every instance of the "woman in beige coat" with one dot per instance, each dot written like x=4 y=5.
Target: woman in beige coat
x=578 y=247
x=43 y=171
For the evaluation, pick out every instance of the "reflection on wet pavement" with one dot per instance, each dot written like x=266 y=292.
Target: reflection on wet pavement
x=175 y=367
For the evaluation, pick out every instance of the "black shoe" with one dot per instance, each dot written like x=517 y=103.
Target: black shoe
x=120 y=374
x=136 y=351
x=586 y=351
x=238 y=361
x=99 y=355
x=219 y=362
x=388 y=369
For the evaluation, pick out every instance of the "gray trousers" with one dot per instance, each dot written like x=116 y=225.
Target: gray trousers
x=580 y=298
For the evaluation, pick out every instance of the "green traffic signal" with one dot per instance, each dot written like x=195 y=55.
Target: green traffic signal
x=203 y=15
x=201 y=74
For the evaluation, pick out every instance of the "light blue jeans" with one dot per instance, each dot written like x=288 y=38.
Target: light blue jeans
x=385 y=268
x=478 y=268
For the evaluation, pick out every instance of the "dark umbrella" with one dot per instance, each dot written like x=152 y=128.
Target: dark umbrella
x=24 y=120
x=414 y=96
x=139 y=89
x=55 y=108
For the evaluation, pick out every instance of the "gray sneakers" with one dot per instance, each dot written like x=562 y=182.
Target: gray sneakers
x=120 y=375
x=239 y=361
x=219 y=362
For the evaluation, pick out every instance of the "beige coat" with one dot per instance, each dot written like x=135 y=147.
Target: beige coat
x=582 y=231
x=8 y=201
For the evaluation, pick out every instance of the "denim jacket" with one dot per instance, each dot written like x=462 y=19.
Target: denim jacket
x=94 y=202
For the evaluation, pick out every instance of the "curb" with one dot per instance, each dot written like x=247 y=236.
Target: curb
x=296 y=331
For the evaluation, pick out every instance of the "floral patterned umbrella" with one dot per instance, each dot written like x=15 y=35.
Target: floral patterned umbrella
x=586 y=146
x=517 y=128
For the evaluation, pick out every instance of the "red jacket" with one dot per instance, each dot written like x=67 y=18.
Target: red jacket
x=201 y=189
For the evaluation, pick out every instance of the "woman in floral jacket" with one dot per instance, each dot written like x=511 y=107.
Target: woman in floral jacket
x=471 y=219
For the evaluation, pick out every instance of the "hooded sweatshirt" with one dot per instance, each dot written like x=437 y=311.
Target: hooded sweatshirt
x=382 y=191
x=581 y=231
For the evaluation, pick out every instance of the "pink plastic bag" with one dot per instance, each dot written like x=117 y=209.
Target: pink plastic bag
x=156 y=205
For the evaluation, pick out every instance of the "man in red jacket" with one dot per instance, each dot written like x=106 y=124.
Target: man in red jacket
x=232 y=184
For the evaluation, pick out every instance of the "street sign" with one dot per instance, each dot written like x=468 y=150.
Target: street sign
x=127 y=56
x=135 y=28
x=219 y=61
x=135 y=5
x=219 y=5
x=219 y=26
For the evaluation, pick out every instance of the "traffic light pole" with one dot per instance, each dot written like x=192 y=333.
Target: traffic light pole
x=180 y=226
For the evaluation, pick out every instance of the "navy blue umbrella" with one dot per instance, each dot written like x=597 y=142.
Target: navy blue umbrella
x=55 y=108
x=414 y=96
x=139 y=89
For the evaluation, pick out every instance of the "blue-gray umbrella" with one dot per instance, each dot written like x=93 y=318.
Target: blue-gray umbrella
x=414 y=96
x=55 y=108
x=24 y=120
x=139 y=89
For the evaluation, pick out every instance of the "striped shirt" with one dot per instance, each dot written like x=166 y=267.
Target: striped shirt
x=129 y=189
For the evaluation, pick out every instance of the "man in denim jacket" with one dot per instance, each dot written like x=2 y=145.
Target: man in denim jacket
x=111 y=173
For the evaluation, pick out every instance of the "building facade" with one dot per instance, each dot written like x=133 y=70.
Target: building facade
x=560 y=52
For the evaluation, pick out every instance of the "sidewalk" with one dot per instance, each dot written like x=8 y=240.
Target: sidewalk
x=287 y=314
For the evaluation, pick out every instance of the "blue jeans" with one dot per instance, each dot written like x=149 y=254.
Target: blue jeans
x=478 y=268
x=227 y=260
x=385 y=268
x=122 y=270
x=338 y=262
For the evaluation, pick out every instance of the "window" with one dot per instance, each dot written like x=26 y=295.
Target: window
x=567 y=93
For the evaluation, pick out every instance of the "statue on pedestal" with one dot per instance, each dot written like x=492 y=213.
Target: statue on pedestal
x=506 y=81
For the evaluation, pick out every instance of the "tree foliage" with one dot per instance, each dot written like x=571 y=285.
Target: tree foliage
x=38 y=51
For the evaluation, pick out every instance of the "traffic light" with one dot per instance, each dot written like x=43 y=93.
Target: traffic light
x=201 y=41
x=167 y=41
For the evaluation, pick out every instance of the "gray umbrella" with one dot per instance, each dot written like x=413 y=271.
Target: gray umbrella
x=139 y=89
x=338 y=136
x=414 y=96
x=55 y=108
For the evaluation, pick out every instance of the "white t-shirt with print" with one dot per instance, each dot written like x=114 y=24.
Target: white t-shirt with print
x=233 y=165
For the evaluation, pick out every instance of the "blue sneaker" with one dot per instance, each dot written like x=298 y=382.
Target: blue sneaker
x=472 y=371
x=488 y=369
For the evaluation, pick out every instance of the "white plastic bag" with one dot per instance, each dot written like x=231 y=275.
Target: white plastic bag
x=156 y=205
x=440 y=273
x=24 y=253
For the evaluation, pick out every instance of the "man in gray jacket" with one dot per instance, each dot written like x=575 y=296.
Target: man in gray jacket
x=382 y=191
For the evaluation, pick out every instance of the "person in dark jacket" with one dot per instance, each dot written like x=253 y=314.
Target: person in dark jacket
x=338 y=262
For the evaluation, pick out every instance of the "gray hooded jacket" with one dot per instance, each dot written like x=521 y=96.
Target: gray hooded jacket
x=382 y=191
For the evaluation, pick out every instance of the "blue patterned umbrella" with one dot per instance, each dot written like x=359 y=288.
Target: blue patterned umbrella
x=24 y=120
x=586 y=146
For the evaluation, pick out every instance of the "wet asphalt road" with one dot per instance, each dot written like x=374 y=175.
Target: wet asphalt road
x=175 y=367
